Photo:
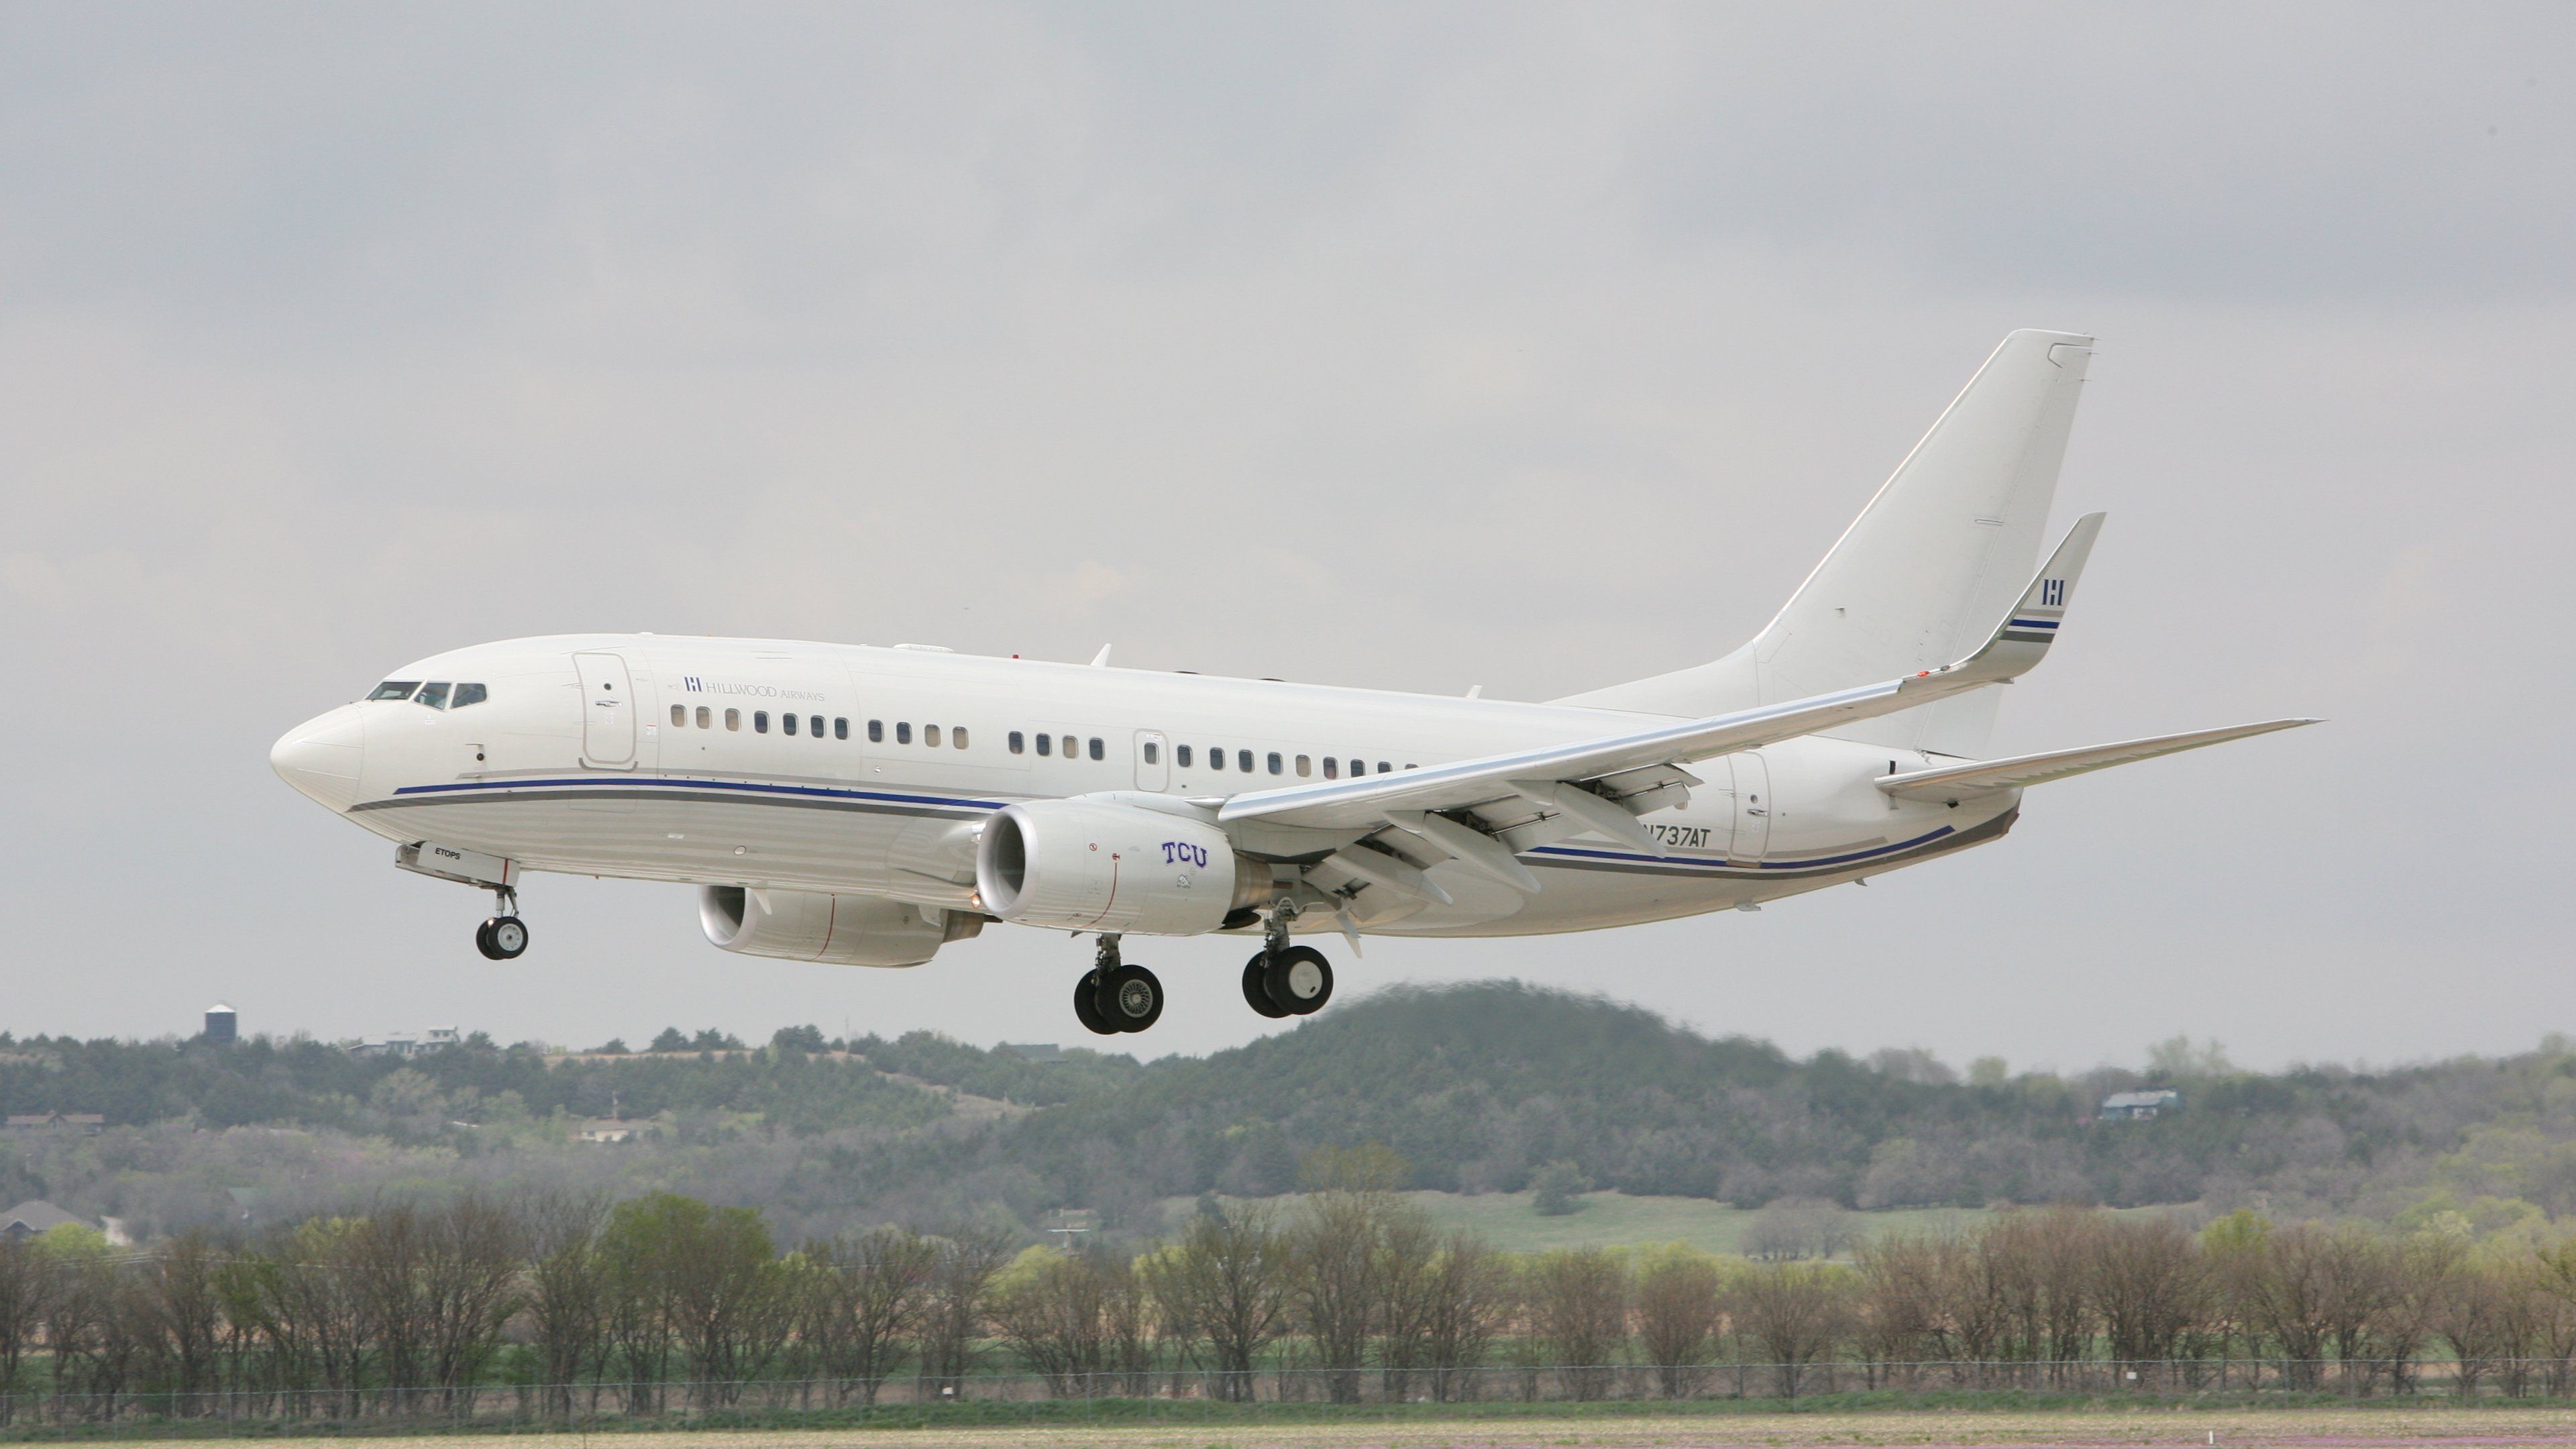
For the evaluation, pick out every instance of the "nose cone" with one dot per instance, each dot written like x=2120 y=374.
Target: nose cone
x=321 y=756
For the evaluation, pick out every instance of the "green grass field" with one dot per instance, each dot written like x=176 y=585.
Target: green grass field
x=1616 y=1220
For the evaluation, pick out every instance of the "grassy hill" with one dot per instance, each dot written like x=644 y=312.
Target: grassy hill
x=1477 y=1088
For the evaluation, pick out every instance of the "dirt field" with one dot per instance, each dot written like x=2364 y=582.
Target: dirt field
x=2326 y=1429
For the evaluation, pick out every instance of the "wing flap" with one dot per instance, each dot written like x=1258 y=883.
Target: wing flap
x=1952 y=782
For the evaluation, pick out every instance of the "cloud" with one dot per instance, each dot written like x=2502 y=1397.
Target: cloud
x=1534 y=346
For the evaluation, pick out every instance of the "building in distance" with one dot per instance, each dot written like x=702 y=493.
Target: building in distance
x=223 y=1025
x=2139 y=1106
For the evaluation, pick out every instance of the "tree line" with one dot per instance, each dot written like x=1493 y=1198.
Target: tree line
x=577 y=1306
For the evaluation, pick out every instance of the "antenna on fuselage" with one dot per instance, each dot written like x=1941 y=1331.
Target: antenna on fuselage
x=1101 y=659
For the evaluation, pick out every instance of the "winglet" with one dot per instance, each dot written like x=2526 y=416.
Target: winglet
x=2030 y=626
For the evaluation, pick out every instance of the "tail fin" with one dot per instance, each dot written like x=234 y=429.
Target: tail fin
x=1926 y=569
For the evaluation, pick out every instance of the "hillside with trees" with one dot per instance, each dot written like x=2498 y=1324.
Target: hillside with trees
x=1476 y=1089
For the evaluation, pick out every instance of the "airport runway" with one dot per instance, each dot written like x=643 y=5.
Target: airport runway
x=2363 y=1428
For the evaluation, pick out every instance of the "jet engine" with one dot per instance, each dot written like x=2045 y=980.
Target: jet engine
x=1091 y=865
x=843 y=930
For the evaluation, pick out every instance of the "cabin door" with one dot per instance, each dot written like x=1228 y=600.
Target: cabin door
x=607 y=711
x=1752 y=807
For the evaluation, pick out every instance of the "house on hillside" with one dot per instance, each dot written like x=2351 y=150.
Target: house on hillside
x=437 y=1038
x=29 y=1218
x=85 y=1124
x=2139 y=1106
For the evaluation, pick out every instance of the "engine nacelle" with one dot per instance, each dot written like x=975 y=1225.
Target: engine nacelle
x=813 y=926
x=1089 y=865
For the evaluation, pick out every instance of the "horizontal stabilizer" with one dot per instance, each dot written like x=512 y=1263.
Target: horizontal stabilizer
x=1958 y=781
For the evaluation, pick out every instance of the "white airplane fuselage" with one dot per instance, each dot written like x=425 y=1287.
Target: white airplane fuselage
x=660 y=757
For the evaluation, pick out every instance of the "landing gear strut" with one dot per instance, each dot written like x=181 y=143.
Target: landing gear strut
x=504 y=936
x=1115 y=996
x=1286 y=980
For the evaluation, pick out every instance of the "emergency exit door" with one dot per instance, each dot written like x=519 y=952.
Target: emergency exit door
x=607 y=711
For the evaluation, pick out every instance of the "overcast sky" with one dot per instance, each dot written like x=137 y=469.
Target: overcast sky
x=1396 y=345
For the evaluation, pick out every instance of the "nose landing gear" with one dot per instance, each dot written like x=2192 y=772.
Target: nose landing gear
x=1115 y=996
x=504 y=936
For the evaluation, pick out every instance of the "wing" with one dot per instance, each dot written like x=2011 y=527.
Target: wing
x=1957 y=781
x=1482 y=811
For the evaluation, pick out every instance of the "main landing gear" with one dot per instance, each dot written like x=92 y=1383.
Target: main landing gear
x=1115 y=996
x=1285 y=980
x=504 y=936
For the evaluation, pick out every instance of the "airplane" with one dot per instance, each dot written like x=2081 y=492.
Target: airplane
x=869 y=805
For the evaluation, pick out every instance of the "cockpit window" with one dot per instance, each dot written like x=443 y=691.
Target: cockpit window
x=395 y=689
x=467 y=694
x=434 y=695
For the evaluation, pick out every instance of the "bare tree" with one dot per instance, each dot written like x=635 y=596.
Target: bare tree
x=867 y=1296
x=963 y=1264
x=1579 y=1308
x=1051 y=1308
x=1407 y=1289
x=26 y=1285
x=1468 y=1297
x=2148 y=1283
x=1337 y=1265
x=1791 y=1315
x=1677 y=1306
x=1225 y=1283
x=568 y=1296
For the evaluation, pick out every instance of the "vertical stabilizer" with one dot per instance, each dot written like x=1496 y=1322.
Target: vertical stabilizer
x=1930 y=564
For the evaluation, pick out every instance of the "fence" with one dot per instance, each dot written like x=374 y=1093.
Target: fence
x=1199 y=1393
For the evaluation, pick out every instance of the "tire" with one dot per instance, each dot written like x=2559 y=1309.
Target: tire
x=1086 y=1006
x=1130 y=999
x=1254 y=995
x=1298 y=980
x=502 y=938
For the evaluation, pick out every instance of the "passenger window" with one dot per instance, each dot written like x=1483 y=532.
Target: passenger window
x=1275 y=763
x=467 y=694
x=1182 y=754
x=814 y=725
x=433 y=695
x=1332 y=768
x=840 y=728
x=704 y=719
x=1045 y=744
x=930 y=736
x=733 y=719
x=957 y=737
x=876 y=731
x=395 y=689
x=1383 y=767
x=1358 y=768
x=903 y=732
x=1019 y=742
x=1216 y=758
x=787 y=723
x=1097 y=751
x=1153 y=752
x=1305 y=767
x=679 y=714
x=1243 y=761
x=760 y=721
